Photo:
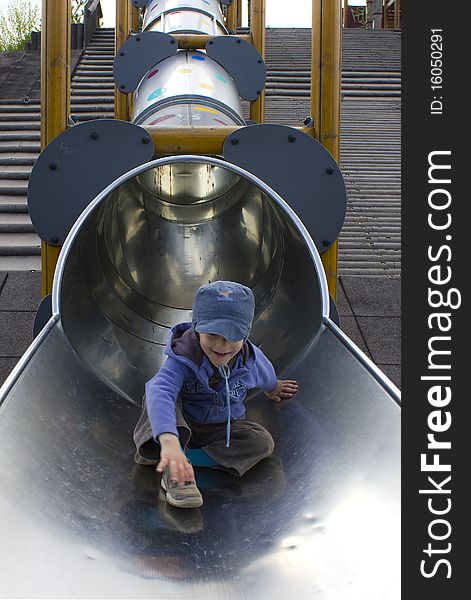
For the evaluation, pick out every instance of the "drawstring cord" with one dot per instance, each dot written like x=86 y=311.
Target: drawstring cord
x=224 y=371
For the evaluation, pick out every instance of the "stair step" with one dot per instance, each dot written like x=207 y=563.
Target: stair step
x=15 y=223
x=20 y=263
x=20 y=159
x=13 y=204
x=13 y=188
x=7 y=147
x=16 y=173
x=20 y=244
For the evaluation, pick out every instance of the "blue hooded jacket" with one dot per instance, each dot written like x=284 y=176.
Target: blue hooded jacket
x=187 y=372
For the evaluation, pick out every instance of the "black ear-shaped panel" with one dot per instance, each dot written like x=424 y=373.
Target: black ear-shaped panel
x=140 y=3
x=300 y=170
x=77 y=165
x=138 y=55
x=242 y=61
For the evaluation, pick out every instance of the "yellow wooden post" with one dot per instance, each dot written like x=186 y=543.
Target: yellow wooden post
x=55 y=99
x=239 y=13
x=385 y=15
x=257 y=27
x=325 y=97
x=133 y=22
x=232 y=16
x=345 y=14
x=397 y=14
x=123 y=26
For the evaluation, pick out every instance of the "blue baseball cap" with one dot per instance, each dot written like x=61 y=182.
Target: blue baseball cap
x=224 y=308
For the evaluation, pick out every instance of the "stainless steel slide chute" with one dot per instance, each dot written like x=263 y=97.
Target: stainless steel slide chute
x=320 y=518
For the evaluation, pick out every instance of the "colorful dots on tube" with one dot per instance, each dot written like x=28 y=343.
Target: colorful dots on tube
x=162 y=119
x=152 y=73
x=158 y=92
x=198 y=57
x=206 y=86
x=206 y=109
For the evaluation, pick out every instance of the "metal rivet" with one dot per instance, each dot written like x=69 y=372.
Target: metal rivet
x=260 y=61
x=239 y=41
x=54 y=240
x=172 y=41
x=329 y=170
x=53 y=167
x=210 y=43
x=234 y=141
x=291 y=138
x=121 y=53
x=258 y=92
x=122 y=87
x=94 y=135
x=145 y=140
x=326 y=242
x=138 y=39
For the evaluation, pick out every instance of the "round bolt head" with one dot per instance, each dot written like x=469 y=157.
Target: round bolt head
x=94 y=135
x=291 y=138
x=52 y=167
x=234 y=141
x=329 y=170
x=145 y=140
x=326 y=243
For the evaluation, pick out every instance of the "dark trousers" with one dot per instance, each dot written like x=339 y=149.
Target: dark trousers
x=249 y=443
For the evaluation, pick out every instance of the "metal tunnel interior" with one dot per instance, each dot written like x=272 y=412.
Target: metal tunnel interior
x=139 y=258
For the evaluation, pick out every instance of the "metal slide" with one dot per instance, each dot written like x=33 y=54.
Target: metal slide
x=78 y=519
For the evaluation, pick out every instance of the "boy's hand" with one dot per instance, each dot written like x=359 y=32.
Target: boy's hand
x=172 y=456
x=284 y=390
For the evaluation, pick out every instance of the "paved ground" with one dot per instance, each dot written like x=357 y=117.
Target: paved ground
x=369 y=309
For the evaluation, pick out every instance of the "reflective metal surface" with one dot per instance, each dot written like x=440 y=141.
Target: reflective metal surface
x=197 y=89
x=188 y=223
x=184 y=16
x=319 y=519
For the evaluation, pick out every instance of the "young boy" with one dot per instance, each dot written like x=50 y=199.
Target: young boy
x=197 y=397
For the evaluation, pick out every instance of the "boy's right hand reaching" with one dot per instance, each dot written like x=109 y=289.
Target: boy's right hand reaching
x=172 y=456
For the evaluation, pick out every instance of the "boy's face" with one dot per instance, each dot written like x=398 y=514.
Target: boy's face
x=218 y=349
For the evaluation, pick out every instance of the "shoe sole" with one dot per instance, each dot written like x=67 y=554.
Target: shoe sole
x=196 y=503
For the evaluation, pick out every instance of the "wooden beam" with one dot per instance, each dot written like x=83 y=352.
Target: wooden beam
x=55 y=98
x=194 y=140
x=122 y=30
x=197 y=41
x=257 y=29
x=325 y=97
x=231 y=16
x=397 y=14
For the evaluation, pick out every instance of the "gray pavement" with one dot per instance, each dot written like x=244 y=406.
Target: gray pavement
x=369 y=308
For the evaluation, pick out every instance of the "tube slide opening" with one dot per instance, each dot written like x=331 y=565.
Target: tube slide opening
x=138 y=257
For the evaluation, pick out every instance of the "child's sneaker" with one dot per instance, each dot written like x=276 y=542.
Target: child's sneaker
x=183 y=496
